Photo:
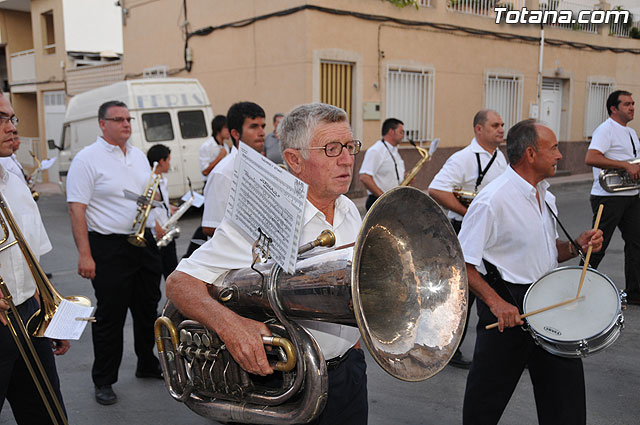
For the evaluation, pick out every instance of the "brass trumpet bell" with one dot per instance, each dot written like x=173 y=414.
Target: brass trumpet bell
x=409 y=285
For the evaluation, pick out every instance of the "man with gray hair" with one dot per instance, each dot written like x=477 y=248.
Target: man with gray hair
x=509 y=241
x=318 y=147
x=469 y=170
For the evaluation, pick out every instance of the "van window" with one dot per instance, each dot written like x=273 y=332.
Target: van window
x=157 y=127
x=192 y=124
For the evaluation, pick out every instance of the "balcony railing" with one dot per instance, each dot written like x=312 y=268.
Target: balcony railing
x=23 y=67
x=483 y=7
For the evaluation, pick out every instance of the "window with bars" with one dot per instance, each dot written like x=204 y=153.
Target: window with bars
x=596 y=110
x=410 y=99
x=503 y=93
x=336 y=81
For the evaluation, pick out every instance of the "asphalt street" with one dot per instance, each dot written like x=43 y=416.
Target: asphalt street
x=612 y=376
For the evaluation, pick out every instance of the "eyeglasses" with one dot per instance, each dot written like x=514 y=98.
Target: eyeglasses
x=333 y=149
x=14 y=120
x=119 y=119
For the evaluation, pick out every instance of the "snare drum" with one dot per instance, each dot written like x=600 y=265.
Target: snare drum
x=580 y=328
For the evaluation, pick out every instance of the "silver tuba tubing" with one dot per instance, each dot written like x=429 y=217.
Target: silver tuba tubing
x=404 y=285
x=617 y=179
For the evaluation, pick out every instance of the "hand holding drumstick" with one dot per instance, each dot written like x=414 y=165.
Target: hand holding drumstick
x=590 y=240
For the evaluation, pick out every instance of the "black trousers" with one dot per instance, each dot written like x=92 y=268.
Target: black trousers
x=16 y=383
x=197 y=240
x=348 y=401
x=498 y=362
x=169 y=259
x=457 y=225
x=127 y=278
x=622 y=212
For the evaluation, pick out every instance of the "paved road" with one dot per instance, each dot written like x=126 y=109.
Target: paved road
x=612 y=376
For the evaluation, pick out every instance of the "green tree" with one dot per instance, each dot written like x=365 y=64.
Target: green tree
x=404 y=3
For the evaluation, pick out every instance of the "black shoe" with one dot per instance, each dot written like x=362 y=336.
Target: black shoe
x=633 y=299
x=105 y=395
x=459 y=361
x=157 y=374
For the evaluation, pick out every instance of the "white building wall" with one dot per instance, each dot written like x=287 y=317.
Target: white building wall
x=92 y=26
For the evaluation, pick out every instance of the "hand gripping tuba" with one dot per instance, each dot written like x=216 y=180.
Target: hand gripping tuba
x=404 y=286
x=617 y=179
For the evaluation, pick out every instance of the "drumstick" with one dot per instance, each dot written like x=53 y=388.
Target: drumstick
x=586 y=260
x=540 y=310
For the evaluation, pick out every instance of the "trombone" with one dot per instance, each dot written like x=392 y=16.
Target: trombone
x=36 y=326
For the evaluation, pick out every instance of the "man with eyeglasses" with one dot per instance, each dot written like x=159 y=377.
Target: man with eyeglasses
x=382 y=168
x=16 y=384
x=318 y=147
x=124 y=276
x=11 y=163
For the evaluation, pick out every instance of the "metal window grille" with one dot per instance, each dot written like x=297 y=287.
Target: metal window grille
x=575 y=9
x=424 y=3
x=410 y=99
x=503 y=93
x=336 y=84
x=596 y=111
x=482 y=7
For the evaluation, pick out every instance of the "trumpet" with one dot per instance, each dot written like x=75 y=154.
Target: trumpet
x=463 y=196
x=145 y=203
x=170 y=227
x=426 y=156
x=617 y=179
x=36 y=326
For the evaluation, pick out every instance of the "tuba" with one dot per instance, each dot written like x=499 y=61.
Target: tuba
x=145 y=203
x=403 y=284
x=170 y=227
x=617 y=179
x=36 y=326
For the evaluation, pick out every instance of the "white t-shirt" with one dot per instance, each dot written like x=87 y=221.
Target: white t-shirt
x=614 y=142
x=208 y=152
x=12 y=165
x=378 y=162
x=506 y=226
x=97 y=177
x=216 y=191
x=13 y=267
x=230 y=249
x=461 y=169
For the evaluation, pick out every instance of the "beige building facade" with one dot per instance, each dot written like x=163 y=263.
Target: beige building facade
x=432 y=67
x=42 y=60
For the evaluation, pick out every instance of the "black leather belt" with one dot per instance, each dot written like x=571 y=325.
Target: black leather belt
x=333 y=363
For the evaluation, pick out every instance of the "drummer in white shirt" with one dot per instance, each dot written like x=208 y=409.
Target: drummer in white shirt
x=319 y=149
x=509 y=241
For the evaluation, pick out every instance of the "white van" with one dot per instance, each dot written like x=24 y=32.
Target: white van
x=173 y=111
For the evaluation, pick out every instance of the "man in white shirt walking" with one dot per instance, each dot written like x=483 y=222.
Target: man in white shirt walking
x=613 y=145
x=382 y=168
x=124 y=277
x=509 y=241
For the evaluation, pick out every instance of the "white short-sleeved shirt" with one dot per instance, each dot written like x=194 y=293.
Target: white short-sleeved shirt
x=230 y=249
x=98 y=176
x=506 y=226
x=208 y=152
x=614 y=142
x=216 y=191
x=461 y=169
x=378 y=163
x=13 y=267
x=12 y=165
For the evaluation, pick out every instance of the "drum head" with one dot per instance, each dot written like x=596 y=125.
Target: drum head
x=585 y=318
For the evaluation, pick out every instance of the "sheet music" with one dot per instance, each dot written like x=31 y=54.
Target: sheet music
x=198 y=200
x=45 y=164
x=67 y=321
x=268 y=197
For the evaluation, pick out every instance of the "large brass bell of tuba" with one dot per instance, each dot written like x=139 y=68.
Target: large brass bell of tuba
x=404 y=285
x=617 y=179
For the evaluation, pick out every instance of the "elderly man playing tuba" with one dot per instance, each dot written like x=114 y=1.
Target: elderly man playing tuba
x=318 y=146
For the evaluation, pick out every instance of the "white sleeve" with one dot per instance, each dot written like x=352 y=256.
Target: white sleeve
x=451 y=174
x=371 y=162
x=215 y=203
x=80 y=182
x=601 y=139
x=477 y=232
